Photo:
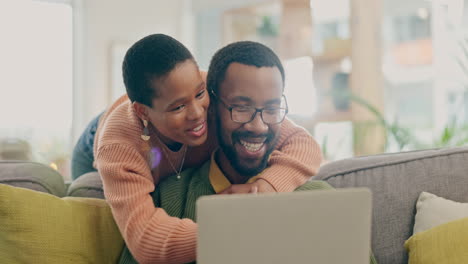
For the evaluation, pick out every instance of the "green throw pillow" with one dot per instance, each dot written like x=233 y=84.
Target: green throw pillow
x=37 y=227
x=443 y=244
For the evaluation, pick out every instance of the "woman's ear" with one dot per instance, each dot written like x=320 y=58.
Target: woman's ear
x=141 y=110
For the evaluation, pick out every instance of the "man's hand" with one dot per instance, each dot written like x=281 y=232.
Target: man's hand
x=260 y=185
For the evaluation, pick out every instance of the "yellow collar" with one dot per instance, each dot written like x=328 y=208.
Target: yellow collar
x=217 y=178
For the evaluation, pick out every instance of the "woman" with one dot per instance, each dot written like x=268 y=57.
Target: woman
x=159 y=128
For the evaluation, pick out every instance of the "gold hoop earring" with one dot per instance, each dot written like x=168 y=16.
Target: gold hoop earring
x=145 y=136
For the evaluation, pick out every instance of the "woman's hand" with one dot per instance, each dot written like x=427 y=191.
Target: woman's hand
x=260 y=185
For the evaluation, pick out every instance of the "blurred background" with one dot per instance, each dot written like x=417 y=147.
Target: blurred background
x=362 y=76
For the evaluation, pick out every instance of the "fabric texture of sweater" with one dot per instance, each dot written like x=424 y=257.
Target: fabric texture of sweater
x=130 y=174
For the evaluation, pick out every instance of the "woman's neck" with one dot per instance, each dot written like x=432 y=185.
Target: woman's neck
x=170 y=144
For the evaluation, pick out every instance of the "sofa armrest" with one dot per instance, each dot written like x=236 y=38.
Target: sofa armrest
x=32 y=175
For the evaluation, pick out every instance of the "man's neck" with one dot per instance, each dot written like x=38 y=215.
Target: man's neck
x=229 y=172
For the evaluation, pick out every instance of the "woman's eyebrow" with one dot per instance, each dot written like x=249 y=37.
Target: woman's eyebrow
x=181 y=99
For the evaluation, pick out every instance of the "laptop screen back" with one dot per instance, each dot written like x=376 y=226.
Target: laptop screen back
x=323 y=226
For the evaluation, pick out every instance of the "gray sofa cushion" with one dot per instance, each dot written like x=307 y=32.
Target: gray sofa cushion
x=87 y=185
x=32 y=175
x=396 y=180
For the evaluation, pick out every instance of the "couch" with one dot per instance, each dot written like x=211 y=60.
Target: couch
x=396 y=181
x=49 y=221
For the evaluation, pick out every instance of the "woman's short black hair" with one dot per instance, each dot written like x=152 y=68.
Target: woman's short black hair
x=244 y=52
x=150 y=58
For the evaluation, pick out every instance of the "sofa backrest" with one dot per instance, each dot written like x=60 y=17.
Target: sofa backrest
x=32 y=175
x=396 y=180
x=87 y=185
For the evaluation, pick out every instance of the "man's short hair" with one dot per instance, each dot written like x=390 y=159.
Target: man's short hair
x=150 y=58
x=244 y=52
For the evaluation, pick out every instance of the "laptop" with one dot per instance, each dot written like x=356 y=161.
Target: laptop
x=322 y=226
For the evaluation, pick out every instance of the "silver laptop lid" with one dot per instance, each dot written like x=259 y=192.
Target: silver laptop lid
x=323 y=226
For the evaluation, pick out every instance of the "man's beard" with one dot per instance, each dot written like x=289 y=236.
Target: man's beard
x=231 y=154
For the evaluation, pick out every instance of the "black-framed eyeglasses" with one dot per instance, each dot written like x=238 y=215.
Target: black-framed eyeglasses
x=270 y=115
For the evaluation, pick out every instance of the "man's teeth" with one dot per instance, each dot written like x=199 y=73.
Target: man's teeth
x=252 y=147
x=198 y=128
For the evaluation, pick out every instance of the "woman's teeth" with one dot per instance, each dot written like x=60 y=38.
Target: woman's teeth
x=252 y=147
x=198 y=128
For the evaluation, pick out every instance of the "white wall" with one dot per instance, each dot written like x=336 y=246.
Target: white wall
x=99 y=24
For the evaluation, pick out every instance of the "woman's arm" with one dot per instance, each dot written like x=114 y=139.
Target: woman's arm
x=149 y=232
x=295 y=160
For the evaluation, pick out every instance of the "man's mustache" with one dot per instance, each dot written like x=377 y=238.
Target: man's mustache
x=247 y=134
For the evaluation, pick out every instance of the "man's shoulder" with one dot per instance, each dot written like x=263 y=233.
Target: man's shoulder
x=314 y=185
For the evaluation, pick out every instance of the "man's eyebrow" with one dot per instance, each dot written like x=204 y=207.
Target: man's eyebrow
x=273 y=101
x=241 y=98
x=247 y=99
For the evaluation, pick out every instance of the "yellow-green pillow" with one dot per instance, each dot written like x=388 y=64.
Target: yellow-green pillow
x=37 y=227
x=446 y=243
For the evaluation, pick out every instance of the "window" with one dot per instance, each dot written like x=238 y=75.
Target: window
x=299 y=87
x=424 y=66
x=36 y=83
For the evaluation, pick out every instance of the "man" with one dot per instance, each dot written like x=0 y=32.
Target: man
x=246 y=81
